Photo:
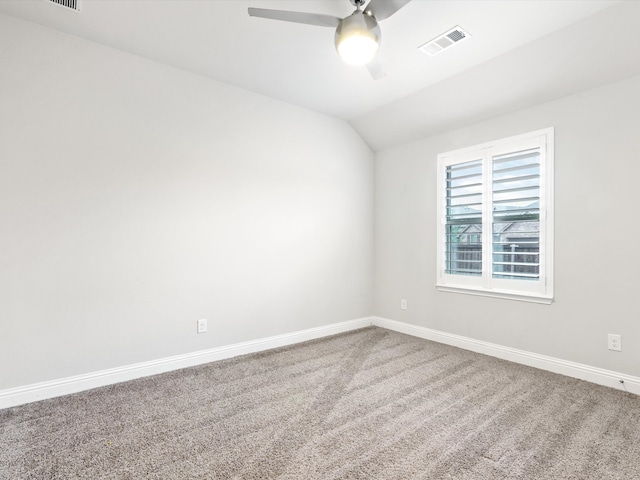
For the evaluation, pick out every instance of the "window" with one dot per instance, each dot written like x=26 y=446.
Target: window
x=495 y=211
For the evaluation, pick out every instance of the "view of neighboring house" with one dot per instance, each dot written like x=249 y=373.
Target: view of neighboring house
x=516 y=247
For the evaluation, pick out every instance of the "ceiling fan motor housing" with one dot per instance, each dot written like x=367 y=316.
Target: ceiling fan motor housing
x=358 y=38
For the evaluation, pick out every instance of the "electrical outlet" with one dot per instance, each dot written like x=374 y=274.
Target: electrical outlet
x=202 y=325
x=403 y=304
x=614 y=342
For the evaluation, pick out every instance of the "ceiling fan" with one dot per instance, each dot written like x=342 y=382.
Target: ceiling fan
x=357 y=36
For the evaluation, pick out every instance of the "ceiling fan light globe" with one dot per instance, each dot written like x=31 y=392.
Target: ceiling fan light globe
x=358 y=38
x=357 y=49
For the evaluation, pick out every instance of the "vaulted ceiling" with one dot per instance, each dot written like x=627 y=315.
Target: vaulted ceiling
x=520 y=53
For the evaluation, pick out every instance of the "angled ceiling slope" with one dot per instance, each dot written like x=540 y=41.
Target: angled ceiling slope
x=599 y=49
x=524 y=51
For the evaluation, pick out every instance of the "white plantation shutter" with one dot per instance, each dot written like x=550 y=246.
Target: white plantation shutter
x=496 y=218
x=516 y=215
x=464 y=218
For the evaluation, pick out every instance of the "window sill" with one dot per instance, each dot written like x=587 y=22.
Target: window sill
x=522 y=297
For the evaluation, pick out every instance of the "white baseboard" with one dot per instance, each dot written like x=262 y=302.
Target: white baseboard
x=571 y=369
x=64 y=386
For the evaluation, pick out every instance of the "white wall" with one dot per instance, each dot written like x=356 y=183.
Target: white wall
x=136 y=198
x=596 y=231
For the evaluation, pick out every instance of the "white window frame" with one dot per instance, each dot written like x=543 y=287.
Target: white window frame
x=538 y=291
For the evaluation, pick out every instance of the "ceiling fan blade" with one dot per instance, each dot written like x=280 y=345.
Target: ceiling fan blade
x=296 y=17
x=375 y=69
x=382 y=9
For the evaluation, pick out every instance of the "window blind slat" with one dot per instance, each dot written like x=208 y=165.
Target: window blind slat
x=516 y=156
x=511 y=179
x=516 y=275
x=515 y=189
x=514 y=168
x=466 y=185
x=516 y=199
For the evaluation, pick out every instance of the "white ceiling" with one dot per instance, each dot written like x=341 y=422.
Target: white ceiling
x=519 y=43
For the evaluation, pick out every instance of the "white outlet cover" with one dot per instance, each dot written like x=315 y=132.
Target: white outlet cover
x=202 y=325
x=614 y=342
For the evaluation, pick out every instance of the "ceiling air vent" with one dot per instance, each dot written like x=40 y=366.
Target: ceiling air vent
x=70 y=4
x=446 y=40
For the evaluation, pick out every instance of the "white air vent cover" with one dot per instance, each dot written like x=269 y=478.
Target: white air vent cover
x=446 y=40
x=70 y=4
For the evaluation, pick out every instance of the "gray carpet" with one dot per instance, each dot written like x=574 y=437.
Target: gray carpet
x=369 y=404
